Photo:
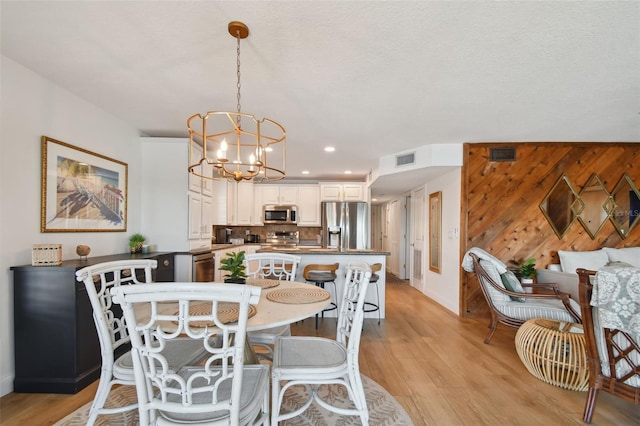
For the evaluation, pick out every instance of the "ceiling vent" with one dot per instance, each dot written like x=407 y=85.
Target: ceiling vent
x=403 y=160
x=502 y=154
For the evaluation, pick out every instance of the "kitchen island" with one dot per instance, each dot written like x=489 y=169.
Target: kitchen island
x=315 y=255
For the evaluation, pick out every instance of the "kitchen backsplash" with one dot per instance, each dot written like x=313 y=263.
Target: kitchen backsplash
x=306 y=233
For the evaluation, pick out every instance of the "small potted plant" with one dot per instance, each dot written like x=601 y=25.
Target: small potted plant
x=135 y=243
x=525 y=271
x=233 y=263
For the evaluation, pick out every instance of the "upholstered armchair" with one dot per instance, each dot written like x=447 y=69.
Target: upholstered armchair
x=509 y=303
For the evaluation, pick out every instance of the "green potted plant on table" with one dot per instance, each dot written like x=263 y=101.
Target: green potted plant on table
x=135 y=243
x=233 y=263
x=525 y=271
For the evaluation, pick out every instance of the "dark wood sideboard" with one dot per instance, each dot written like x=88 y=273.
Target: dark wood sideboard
x=56 y=345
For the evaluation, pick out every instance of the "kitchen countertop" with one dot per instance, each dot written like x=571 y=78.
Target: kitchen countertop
x=321 y=250
x=293 y=250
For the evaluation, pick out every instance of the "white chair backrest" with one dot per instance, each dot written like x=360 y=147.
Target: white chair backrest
x=351 y=312
x=98 y=280
x=195 y=313
x=280 y=266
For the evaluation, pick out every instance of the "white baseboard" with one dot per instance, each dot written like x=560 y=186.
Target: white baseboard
x=6 y=385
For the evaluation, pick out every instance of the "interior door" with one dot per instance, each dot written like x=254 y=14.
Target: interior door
x=406 y=260
x=418 y=226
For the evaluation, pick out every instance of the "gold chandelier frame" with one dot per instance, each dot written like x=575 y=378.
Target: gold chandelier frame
x=234 y=145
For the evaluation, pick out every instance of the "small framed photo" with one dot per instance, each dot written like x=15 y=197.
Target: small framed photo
x=81 y=191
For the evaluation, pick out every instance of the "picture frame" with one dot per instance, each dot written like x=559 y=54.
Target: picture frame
x=81 y=191
x=435 y=231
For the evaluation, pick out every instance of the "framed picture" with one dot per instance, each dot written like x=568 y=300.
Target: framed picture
x=81 y=191
x=435 y=231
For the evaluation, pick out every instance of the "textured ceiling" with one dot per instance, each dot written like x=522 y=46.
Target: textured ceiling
x=370 y=78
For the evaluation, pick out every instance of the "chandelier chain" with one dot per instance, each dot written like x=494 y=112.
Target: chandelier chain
x=238 y=75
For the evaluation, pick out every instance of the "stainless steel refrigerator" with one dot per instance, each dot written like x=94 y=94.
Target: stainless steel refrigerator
x=345 y=225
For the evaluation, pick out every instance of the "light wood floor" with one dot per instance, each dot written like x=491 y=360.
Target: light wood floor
x=431 y=361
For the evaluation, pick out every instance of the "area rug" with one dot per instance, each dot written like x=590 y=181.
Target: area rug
x=383 y=408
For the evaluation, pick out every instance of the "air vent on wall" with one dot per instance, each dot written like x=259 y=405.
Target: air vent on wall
x=403 y=160
x=502 y=154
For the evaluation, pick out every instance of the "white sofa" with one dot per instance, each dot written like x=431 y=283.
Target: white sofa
x=564 y=273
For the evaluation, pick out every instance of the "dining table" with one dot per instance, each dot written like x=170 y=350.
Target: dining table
x=280 y=303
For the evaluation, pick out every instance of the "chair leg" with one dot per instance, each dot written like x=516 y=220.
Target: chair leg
x=492 y=329
x=104 y=388
x=590 y=405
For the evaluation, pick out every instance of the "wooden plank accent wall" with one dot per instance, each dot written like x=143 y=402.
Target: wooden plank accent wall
x=501 y=202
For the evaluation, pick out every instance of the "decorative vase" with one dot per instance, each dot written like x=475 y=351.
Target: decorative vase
x=137 y=248
x=83 y=251
x=235 y=280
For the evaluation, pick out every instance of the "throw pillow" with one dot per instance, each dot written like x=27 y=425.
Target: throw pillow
x=630 y=255
x=511 y=283
x=493 y=273
x=620 y=264
x=592 y=260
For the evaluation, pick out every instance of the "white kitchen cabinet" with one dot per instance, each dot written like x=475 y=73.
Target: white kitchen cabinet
x=207 y=223
x=198 y=184
x=221 y=202
x=309 y=205
x=257 y=205
x=234 y=203
x=244 y=204
x=335 y=191
x=280 y=194
x=199 y=216
x=173 y=218
x=195 y=215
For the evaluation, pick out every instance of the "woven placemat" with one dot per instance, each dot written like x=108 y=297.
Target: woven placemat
x=227 y=313
x=263 y=282
x=298 y=295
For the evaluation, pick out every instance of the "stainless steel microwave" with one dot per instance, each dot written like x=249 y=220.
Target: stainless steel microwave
x=280 y=214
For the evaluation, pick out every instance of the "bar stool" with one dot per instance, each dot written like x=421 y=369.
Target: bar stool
x=372 y=307
x=320 y=274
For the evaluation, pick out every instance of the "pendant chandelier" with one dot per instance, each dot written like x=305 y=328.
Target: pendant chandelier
x=235 y=145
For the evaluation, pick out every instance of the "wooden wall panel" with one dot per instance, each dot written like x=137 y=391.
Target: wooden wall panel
x=501 y=202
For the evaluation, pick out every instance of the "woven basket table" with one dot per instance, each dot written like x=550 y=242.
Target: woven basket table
x=554 y=352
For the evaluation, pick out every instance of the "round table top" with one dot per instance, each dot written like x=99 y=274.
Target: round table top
x=269 y=313
x=273 y=314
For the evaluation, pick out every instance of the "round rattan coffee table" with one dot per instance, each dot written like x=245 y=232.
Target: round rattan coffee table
x=554 y=352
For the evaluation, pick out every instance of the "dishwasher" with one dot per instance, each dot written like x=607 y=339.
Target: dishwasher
x=203 y=267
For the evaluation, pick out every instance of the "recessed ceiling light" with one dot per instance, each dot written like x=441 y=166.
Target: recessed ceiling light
x=305 y=172
x=374 y=199
x=329 y=149
x=268 y=149
x=347 y=172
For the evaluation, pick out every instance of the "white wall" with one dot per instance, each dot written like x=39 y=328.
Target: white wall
x=444 y=287
x=32 y=107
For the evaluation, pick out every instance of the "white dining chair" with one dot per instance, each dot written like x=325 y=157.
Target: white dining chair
x=279 y=266
x=221 y=389
x=314 y=361
x=117 y=365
